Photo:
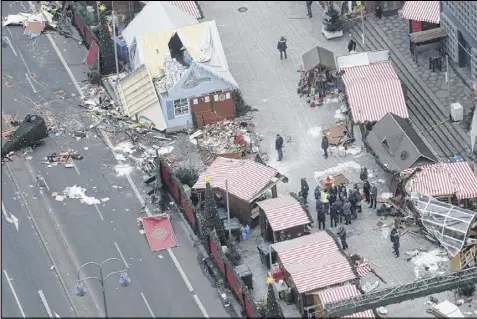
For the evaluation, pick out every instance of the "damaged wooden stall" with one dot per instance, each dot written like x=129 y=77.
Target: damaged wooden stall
x=316 y=79
x=282 y=218
x=454 y=228
x=247 y=181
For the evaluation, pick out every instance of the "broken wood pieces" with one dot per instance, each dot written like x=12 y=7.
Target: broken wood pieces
x=63 y=158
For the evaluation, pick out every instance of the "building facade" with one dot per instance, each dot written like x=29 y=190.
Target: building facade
x=459 y=18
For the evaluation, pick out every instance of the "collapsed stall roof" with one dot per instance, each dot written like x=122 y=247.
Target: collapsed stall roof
x=318 y=57
x=448 y=223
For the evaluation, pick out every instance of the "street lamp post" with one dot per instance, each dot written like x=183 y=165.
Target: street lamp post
x=123 y=280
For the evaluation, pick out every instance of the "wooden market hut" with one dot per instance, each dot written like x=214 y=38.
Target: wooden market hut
x=247 y=180
x=282 y=218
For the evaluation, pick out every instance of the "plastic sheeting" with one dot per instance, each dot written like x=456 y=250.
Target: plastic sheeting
x=448 y=223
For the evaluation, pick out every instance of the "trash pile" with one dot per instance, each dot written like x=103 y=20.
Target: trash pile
x=227 y=138
x=62 y=158
x=48 y=15
x=98 y=101
x=173 y=71
x=77 y=192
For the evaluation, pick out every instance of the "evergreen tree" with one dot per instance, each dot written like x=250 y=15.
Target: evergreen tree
x=331 y=19
x=273 y=308
x=211 y=214
x=106 y=49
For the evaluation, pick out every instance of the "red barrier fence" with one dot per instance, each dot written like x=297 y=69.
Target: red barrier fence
x=234 y=281
x=236 y=284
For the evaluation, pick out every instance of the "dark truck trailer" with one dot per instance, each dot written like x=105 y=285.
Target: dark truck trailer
x=30 y=132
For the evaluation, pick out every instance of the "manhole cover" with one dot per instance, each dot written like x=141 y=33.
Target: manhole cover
x=242 y=9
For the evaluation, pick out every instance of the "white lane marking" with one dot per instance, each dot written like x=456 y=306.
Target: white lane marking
x=62 y=59
x=10 y=218
x=11 y=46
x=121 y=254
x=147 y=305
x=14 y=293
x=201 y=306
x=21 y=55
x=181 y=271
x=31 y=84
x=133 y=186
x=45 y=303
x=76 y=167
x=99 y=212
x=56 y=315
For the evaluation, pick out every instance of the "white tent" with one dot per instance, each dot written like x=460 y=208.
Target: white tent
x=156 y=16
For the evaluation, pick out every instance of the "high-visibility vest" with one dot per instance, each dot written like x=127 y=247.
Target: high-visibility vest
x=324 y=197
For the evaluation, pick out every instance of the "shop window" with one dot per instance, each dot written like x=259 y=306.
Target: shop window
x=181 y=107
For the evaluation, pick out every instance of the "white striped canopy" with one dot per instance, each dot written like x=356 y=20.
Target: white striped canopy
x=425 y=11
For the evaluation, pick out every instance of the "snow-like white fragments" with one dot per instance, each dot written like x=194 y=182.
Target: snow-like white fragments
x=77 y=192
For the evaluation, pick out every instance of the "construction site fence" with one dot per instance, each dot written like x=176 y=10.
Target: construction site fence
x=226 y=268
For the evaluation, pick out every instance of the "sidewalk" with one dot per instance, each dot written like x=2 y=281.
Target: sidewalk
x=397 y=30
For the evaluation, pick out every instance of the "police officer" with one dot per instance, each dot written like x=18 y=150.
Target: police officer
x=325 y=198
x=342 y=235
x=320 y=211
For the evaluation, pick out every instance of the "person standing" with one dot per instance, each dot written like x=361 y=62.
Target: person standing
x=339 y=210
x=395 y=240
x=324 y=145
x=320 y=211
x=347 y=212
x=304 y=190
x=351 y=45
x=363 y=174
x=342 y=236
x=374 y=196
x=352 y=201
x=366 y=190
x=317 y=192
x=308 y=8
x=357 y=196
x=333 y=215
x=325 y=199
x=279 y=146
x=282 y=47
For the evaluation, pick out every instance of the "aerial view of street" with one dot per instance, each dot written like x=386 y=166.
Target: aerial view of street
x=239 y=159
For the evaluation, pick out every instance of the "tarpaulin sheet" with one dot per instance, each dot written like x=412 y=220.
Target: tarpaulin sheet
x=93 y=54
x=159 y=233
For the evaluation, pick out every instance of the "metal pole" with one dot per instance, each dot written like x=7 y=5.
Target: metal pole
x=447 y=78
x=104 y=292
x=228 y=207
x=114 y=43
x=270 y=256
x=362 y=26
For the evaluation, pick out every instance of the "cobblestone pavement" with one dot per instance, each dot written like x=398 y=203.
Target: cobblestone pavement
x=397 y=30
x=269 y=84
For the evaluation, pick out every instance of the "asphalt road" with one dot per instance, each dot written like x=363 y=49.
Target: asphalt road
x=30 y=281
x=164 y=284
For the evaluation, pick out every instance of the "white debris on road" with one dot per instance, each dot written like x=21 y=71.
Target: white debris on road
x=125 y=147
x=123 y=169
x=430 y=264
x=316 y=132
x=345 y=168
x=77 y=192
x=165 y=150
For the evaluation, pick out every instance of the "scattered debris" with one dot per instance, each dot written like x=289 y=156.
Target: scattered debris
x=123 y=169
x=77 y=192
x=382 y=311
x=104 y=199
x=430 y=264
x=342 y=168
x=62 y=158
x=368 y=287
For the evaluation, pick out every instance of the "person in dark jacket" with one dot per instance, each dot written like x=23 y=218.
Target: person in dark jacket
x=347 y=212
x=378 y=11
x=320 y=211
x=279 y=146
x=317 y=192
x=395 y=240
x=282 y=47
x=367 y=190
x=351 y=45
x=304 y=190
x=333 y=215
x=357 y=196
x=339 y=209
x=363 y=175
x=324 y=145
x=342 y=236
x=308 y=8
x=352 y=201
x=373 y=196
x=343 y=194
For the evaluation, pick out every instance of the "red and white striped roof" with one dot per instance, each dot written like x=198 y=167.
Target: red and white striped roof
x=190 y=7
x=314 y=261
x=426 y=11
x=246 y=179
x=341 y=293
x=444 y=179
x=373 y=91
x=283 y=212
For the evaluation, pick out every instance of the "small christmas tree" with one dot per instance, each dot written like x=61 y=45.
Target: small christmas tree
x=273 y=308
x=211 y=214
x=331 y=20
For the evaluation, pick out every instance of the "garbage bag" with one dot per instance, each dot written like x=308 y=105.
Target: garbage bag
x=30 y=131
